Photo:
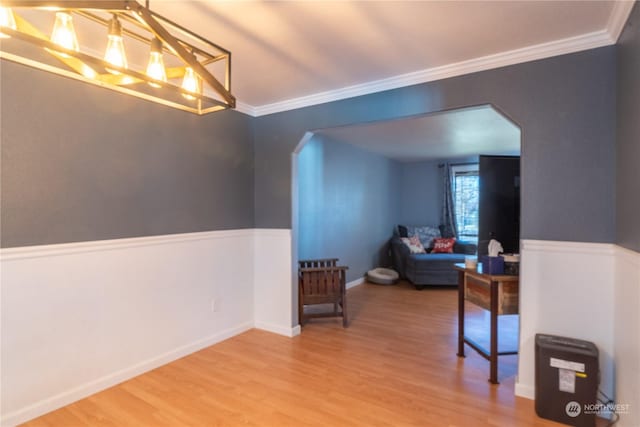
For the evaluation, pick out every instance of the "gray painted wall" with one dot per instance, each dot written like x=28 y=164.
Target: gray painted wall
x=564 y=105
x=348 y=204
x=420 y=193
x=628 y=135
x=82 y=163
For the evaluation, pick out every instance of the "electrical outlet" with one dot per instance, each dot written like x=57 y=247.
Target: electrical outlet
x=215 y=305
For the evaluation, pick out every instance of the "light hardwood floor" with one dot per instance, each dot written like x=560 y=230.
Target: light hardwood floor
x=395 y=365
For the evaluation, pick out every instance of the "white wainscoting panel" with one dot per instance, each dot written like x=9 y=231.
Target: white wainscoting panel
x=78 y=318
x=566 y=288
x=274 y=281
x=627 y=334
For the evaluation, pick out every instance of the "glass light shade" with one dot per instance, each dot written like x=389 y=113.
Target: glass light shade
x=63 y=33
x=155 y=68
x=115 y=52
x=115 y=46
x=191 y=83
x=7 y=20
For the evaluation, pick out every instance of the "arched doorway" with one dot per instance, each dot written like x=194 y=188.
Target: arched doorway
x=458 y=134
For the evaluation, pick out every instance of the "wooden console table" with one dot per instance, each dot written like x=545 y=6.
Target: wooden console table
x=497 y=293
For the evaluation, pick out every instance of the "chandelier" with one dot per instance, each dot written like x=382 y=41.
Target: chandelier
x=120 y=45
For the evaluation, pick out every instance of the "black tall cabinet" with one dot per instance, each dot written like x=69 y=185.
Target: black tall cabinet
x=499 y=205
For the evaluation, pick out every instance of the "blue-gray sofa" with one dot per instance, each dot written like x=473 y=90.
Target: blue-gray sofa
x=429 y=269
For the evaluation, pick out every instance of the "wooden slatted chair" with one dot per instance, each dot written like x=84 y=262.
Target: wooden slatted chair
x=318 y=263
x=323 y=283
x=311 y=263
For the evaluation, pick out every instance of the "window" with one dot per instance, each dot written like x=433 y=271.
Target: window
x=465 y=199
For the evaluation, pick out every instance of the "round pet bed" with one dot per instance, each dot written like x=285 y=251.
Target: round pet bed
x=382 y=276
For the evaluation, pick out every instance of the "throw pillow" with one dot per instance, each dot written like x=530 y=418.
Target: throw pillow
x=443 y=245
x=402 y=231
x=414 y=245
x=426 y=234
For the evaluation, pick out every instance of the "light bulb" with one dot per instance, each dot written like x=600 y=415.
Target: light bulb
x=63 y=33
x=115 y=47
x=191 y=83
x=7 y=20
x=155 y=69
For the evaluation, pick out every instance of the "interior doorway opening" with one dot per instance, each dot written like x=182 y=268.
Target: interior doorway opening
x=340 y=205
x=352 y=185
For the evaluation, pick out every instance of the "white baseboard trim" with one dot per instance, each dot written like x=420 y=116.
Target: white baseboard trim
x=54 y=402
x=523 y=390
x=357 y=282
x=277 y=329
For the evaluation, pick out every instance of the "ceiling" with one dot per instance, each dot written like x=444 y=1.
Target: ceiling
x=295 y=53
x=451 y=134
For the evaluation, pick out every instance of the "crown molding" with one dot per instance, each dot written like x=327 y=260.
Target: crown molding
x=517 y=56
x=608 y=36
x=247 y=109
x=618 y=18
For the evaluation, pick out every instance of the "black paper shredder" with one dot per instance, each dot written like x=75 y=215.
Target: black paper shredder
x=567 y=378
